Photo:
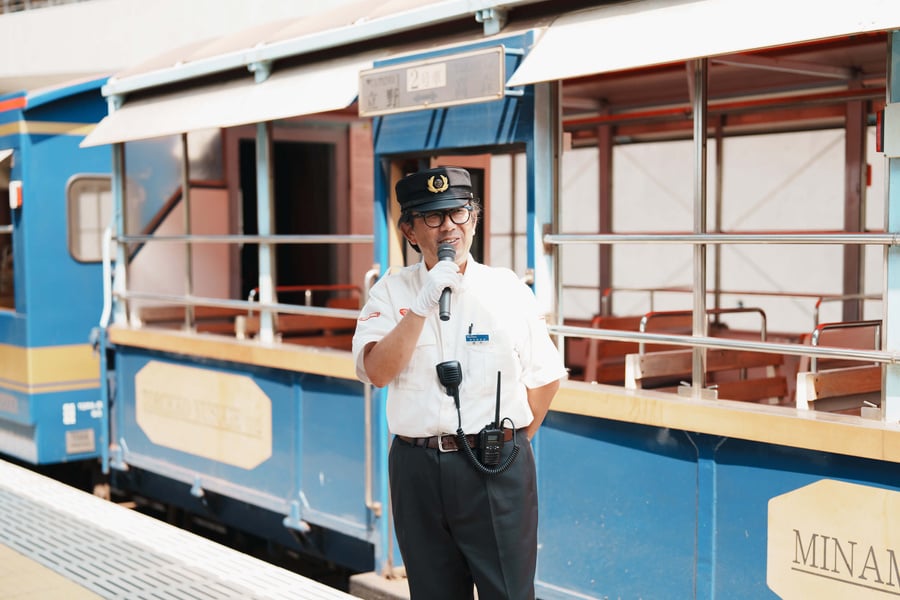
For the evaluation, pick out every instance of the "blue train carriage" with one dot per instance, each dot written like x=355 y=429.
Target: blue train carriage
x=56 y=202
x=705 y=456
x=244 y=249
x=772 y=472
x=228 y=403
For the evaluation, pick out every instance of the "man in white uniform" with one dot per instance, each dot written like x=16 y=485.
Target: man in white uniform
x=463 y=487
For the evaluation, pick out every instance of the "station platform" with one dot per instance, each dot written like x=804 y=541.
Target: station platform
x=59 y=543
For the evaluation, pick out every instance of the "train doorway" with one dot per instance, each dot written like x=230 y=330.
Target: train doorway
x=308 y=200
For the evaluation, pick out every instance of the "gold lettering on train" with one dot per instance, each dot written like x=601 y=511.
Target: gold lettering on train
x=834 y=539
x=843 y=559
x=220 y=416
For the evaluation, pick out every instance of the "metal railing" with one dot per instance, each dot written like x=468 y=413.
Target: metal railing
x=308 y=290
x=617 y=335
x=189 y=301
x=698 y=341
x=710 y=312
x=820 y=329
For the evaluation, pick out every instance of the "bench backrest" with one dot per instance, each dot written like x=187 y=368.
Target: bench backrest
x=736 y=374
x=847 y=389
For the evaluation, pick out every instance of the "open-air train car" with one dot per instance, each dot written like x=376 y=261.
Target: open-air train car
x=699 y=192
x=54 y=203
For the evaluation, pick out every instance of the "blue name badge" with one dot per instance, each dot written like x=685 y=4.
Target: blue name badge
x=477 y=338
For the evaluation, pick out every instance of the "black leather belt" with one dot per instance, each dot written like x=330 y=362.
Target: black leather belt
x=447 y=443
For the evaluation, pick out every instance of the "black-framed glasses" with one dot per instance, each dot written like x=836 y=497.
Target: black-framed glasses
x=436 y=218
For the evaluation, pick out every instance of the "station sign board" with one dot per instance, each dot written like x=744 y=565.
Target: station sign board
x=465 y=78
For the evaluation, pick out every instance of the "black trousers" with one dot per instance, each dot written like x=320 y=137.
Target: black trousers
x=456 y=526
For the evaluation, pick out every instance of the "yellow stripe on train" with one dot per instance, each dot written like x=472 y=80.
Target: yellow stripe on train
x=46 y=128
x=49 y=369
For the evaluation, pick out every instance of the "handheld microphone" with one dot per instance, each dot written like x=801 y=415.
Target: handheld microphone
x=445 y=252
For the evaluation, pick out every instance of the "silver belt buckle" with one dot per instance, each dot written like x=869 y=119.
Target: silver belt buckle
x=441 y=445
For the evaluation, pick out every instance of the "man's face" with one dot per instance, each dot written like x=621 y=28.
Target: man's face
x=456 y=227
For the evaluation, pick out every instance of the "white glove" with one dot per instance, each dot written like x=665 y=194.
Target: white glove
x=445 y=274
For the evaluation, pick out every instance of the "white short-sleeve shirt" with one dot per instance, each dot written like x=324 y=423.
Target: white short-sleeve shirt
x=495 y=326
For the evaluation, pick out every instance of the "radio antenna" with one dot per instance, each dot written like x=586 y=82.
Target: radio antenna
x=497 y=414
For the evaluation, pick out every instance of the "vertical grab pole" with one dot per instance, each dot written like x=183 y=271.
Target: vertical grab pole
x=698 y=375
x=371 y=503
x=120 y=285
x=101 y=348
x=188 y=248
x=265 y=201
x=543 y=204
x=890 y=403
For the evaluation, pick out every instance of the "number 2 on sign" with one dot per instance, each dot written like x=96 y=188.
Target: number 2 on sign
x=426 y=77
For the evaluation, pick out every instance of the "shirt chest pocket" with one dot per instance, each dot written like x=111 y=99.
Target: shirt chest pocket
x=482 y=361
x=420 y=370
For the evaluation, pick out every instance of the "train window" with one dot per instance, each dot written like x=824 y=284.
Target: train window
x=89 y=201
x=7 y=295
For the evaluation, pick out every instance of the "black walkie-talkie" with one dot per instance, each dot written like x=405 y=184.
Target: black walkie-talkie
x=490 y=441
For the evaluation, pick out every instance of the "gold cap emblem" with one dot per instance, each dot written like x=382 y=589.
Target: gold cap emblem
x=442 y=184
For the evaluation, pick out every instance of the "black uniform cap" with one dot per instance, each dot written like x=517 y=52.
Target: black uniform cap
x=434 y=189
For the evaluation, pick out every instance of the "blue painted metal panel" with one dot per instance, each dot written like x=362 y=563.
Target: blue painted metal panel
x=61 y=412
x=659 y=513
x=36 y=432
x=750 y=474
x=65 y=92
x=618 y=509
x=57 y=300
x=275 y=477
x=64 y=295
x=317 y=461
x=332 y=450
x=13 y=328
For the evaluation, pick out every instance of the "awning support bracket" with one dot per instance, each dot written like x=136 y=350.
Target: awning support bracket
x=261 y=70
x=493 y=19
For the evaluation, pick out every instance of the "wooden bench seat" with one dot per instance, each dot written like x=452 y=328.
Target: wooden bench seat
x=845 y=390
x=735 y=374
x=176 y=314
x=207 y=319
x=297 y=325
x=310 y=330
x=341 y=341
x=603 y=361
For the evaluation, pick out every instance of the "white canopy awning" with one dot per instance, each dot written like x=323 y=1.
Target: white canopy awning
x=651 y=32
x=304 y=90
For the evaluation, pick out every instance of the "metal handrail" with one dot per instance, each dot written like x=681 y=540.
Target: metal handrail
x=884 y=239
x=642 y=327
x=295 y=309
x=617 y=335
x=308 y=290
x=6 y=229
x=840 y=298
x=368 y=281
x=251 y=239
x=814 y=339
x=107 y=278
x=607 y=293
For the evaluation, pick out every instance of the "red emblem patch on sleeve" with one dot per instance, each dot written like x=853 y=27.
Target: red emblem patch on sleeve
x=370 y=316
x=403 y=312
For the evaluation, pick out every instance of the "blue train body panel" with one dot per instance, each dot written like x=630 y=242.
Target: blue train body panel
x=662 y=513
x=50 y=383
x=311 y=470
